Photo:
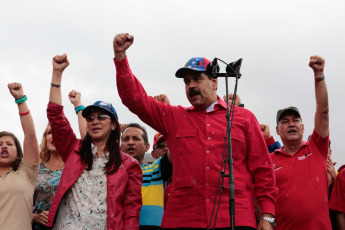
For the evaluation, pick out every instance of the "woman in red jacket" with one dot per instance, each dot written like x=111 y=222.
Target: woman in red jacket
x=100 y=187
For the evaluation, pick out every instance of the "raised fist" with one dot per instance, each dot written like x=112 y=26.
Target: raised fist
x=123 y=127
x=231 y=96
x=16 y=90
x=163 y=98
x=265 y=129
x=60 y=62
x=121 y=43
x=75 y=97
x=317 y=63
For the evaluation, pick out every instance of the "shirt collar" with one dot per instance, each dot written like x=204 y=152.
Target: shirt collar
x=94 y=150
x=220 y=102
x=285 y=153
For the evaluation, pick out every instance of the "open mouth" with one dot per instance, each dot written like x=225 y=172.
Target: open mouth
x=4 y=153
x=293 y=131
x=131 y=150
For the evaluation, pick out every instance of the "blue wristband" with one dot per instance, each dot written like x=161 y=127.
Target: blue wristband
x=78 y=108
x=21 y=100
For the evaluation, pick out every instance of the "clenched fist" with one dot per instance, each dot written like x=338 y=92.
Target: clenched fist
x=121 y=43
x=16 y=90
x=60 y=62
x=265 y=129
x=231 y=96
x=317 y=63
x=75 y=97
x=163 y=98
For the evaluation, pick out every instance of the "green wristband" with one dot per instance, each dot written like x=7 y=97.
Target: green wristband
x=21 y=100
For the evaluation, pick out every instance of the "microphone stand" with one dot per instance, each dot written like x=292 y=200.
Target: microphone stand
x=232 y=70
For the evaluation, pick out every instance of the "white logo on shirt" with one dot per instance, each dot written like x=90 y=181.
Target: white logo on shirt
x=304 y=156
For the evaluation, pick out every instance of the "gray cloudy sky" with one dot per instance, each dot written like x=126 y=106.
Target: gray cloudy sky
x=274 y=38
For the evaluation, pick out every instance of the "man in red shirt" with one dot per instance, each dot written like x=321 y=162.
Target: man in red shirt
x=337 y=199
x=300 y=167
x=195 y=136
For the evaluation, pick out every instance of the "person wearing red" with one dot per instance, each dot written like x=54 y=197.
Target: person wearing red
x=337 y=199
x=195 y=136
x=100 y=187
x=301 y=167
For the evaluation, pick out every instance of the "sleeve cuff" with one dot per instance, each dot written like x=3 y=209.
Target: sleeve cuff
x=267 y=207
x=270 y=141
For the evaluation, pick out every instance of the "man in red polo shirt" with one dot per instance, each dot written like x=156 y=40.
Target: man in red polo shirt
x=337 y=199
x=195 y=136
x=300 y=167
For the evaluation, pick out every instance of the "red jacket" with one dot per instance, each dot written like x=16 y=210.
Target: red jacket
x=196 y=143
x=123 y=186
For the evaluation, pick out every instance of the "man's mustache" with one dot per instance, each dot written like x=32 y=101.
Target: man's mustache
x=193 y=92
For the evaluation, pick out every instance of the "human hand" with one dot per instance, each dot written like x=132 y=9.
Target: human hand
x=265 y=225
x=121 y=43
x=16 y=90
x=163 y=98
x=123 y=127
x=41 y=218
x=331 y=173
x=231 y=96
x=75 y=98
x=60 y=62
x=265 y=129
x=317 y=63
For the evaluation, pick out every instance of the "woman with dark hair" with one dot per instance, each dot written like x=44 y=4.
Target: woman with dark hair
x=48 y=179
x=18 y=171
x=100 y=187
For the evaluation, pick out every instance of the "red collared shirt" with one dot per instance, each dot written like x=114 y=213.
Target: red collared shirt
x=196 y=142
x=337 y=199
x=303 y=186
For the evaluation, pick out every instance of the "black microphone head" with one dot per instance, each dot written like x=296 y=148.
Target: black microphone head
x=234 y=67
x=212 y=69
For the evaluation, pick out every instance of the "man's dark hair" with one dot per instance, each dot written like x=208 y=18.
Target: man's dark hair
x=113 y=146
x=136 y=125
x=208 y=75
x=16 y=163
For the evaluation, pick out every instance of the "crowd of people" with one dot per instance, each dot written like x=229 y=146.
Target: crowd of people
x=102 y=181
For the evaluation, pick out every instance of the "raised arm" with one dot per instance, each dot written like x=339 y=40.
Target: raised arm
x=271 y=144
x=317 y=63
x=63 y=135
x=75 y=98
x=60 y=62
x=31 y=152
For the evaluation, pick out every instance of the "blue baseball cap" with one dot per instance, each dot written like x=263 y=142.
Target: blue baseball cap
x=196 y=64
x=108 y=107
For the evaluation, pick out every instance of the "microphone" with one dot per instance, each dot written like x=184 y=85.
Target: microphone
x=234 y=67
x=213 y=68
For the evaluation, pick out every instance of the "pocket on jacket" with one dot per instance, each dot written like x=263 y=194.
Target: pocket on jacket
x=186 y=139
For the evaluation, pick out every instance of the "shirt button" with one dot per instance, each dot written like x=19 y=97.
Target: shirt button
x=207 y=151
x=207 y=184
x=207 y=168
x=208 y=124
x=209 y=138
x=207 y=200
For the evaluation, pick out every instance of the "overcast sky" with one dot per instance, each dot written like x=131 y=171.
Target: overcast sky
x=274 y=38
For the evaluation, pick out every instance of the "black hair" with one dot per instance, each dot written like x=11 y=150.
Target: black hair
x=16 y=163
x=112 y=145
x=136 y=125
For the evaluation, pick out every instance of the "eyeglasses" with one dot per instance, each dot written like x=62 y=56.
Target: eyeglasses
x=100 y=117
x=160 y=146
